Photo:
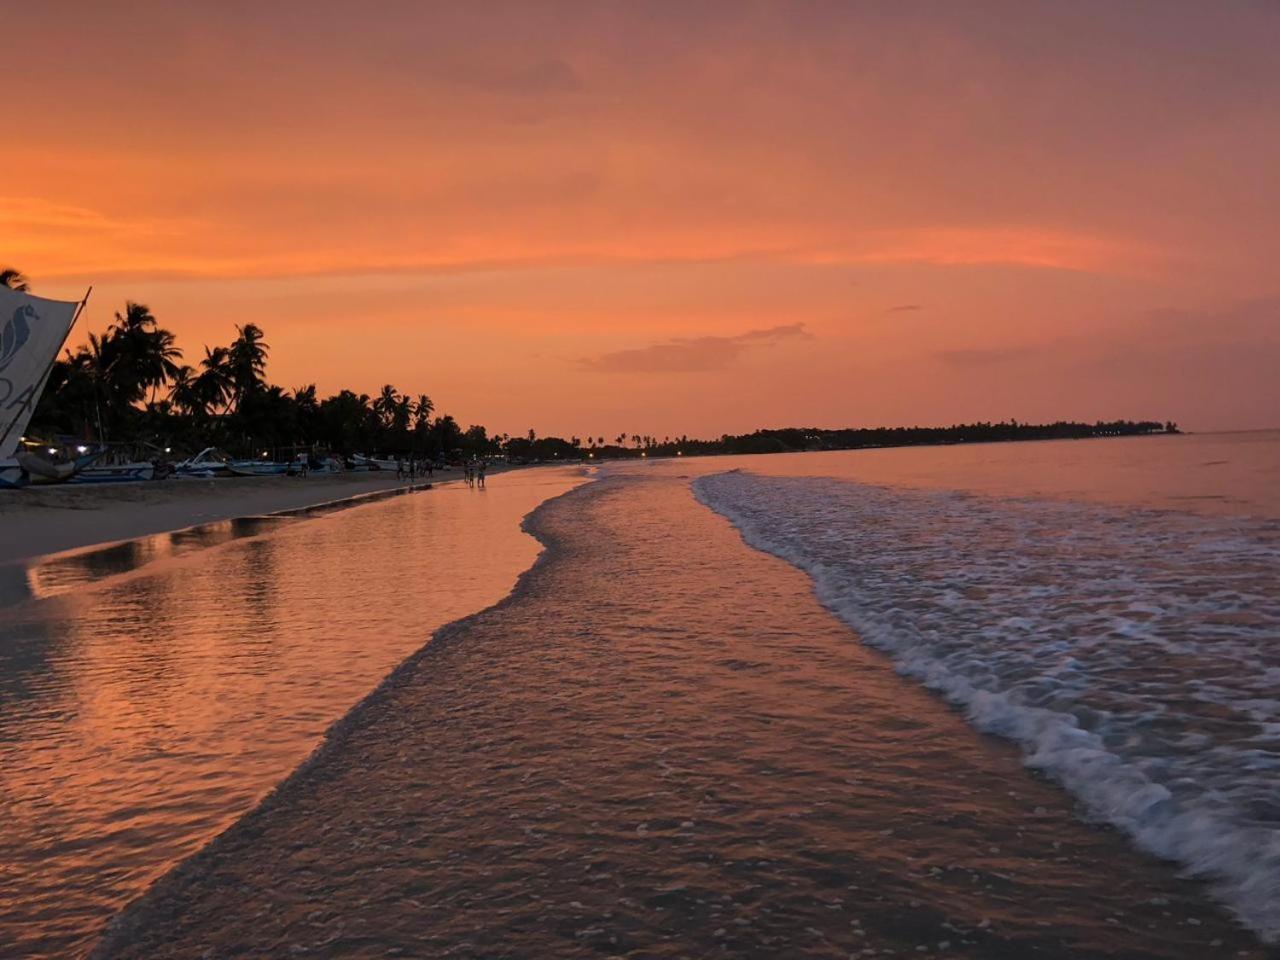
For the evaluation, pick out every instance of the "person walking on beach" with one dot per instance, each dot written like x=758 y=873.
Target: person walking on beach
x=480 y=468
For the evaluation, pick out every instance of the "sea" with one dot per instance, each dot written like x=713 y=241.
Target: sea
x=999 y=700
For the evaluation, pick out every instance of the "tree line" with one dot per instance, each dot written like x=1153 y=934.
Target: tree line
x=799 y=439
x=131 y=383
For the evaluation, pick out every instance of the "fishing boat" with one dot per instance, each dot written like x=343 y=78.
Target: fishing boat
x=32 y=331
x=209 y=462
x=321 y=465
x=131 y=472
x=44 y=463
x=374 y=463
x=262 y=468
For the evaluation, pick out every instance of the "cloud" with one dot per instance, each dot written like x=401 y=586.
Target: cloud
x=693 y=355
x=905 y=308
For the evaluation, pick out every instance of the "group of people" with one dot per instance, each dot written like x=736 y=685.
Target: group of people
x=473 y=470
x=412 y=469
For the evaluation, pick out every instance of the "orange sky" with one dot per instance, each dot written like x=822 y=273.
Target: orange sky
x=675 y=218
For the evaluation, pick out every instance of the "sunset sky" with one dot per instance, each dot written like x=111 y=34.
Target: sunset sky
x=674 y=218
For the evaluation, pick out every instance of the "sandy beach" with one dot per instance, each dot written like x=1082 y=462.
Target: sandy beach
x=49 y=519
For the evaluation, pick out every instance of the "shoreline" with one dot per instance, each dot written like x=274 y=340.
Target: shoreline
x=450 y=784
x=147 y=910
x=45 y=521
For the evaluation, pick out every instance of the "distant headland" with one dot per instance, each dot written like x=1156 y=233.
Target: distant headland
x=801 y=439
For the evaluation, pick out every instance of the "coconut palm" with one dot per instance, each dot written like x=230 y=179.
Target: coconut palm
x=246 y=362
x=213 y=384
x=386 y=404
x=184 y=392
x=422 y=409
x=142 y=355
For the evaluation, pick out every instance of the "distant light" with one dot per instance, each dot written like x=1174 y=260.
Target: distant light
x=643 y=453
x=264 y=453
x=168 y=449
x=53 y=449
x=590 y=455
x=81 y=449
x=679 y=453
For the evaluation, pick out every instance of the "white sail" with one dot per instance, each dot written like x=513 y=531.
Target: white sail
x=32 y=331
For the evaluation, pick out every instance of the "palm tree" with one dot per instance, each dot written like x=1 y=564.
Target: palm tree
x=143 y=355
x=14 y=280
x=247 y=362
x=422 y=410
x=307 y=412
x=386 y=405
x=184 y=392
x=214 y=382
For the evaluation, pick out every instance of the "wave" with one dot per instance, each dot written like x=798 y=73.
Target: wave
x=1134 y=655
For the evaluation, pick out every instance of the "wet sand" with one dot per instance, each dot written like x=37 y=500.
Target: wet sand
x=48 y=519
x=155 y=690
x=662 y=746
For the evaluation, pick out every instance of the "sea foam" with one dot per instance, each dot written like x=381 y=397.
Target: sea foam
x=1134 y=655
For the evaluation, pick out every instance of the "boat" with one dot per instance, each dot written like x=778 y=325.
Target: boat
x=32 y=331
x=12 y=475
x=209 y=462
x=47 y=464
x=321 y=465
x=116 y=473
x=374 y=463
x=262 y=468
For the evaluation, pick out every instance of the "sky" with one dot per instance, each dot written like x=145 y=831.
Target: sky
x=674 y=218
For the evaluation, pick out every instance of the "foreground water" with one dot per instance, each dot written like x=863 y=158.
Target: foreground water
x=153 y=691
x=662 y=746
x=1112 y=607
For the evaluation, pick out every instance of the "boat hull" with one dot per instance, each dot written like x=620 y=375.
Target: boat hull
x=12 y=476
x=116 y=473
x=258 y=468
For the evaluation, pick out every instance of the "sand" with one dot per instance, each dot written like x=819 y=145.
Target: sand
x=49 y=519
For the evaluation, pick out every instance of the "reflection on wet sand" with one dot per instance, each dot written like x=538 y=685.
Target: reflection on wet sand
x=160 y=687
x=49 y=576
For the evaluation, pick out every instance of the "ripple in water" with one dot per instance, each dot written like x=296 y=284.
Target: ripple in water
x=1134 y=654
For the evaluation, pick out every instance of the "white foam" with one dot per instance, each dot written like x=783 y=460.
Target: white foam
x=1132 y=654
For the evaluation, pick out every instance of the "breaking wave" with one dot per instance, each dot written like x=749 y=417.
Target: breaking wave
x=1133 y=654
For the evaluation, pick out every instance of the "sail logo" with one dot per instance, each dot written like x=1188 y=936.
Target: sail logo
x=16 y=332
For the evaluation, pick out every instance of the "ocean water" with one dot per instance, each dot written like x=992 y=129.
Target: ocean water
x=662 y=745
x=1113 y=607
x=153 y=691
x=738 y=706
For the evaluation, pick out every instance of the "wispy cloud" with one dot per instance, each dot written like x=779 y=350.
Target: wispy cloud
x=905 y=308
x=695 y=354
